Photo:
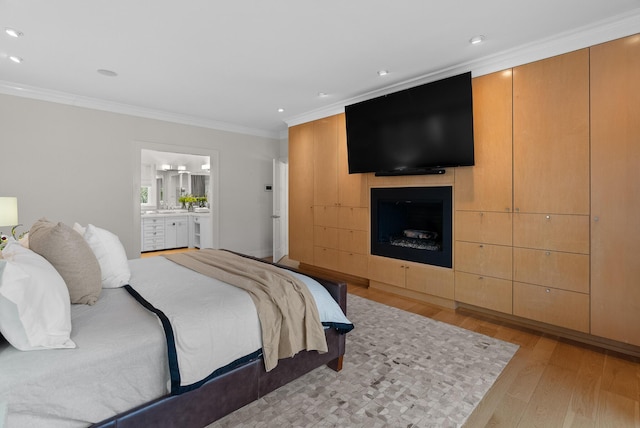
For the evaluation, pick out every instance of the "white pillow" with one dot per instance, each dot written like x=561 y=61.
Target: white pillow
x=79 y=228
x=110 y=254
x=34 y=301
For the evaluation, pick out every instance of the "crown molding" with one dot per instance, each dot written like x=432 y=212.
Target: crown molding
x=59 y=97
x=593 y=34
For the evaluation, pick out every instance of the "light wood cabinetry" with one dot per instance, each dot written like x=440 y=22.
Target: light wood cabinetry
x=615 y=188
x=412 y=276
x=551 y=189
x=340 y=203
x=301 y=193
x=330 y=206
x=552 y=232
x=484 y=291
x=483 y=201
x=546 y=223
x=551 y=135
x=552 y=306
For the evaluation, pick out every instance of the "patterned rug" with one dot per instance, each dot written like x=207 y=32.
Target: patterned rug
x=400 y=370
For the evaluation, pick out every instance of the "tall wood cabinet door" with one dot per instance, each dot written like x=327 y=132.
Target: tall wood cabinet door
x=615 y=187
x=551 y=135
x=352 y=188
x=301 y=193
x=325 y=149
x=486 y=186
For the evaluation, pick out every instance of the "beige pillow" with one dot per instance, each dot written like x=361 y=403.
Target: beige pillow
x=72 y=257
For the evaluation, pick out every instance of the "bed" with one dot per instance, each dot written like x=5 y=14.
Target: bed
x=119 y=372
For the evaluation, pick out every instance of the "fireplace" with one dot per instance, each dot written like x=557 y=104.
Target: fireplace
x=412 y=223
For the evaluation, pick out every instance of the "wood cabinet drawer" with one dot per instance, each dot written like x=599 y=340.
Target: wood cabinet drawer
x=353 y=241
x=386 y=270
x=483 y=226
x=485 y=292
x=430 y=280
x=152 y=221
x=484 y=259
x=325 y=215
x=552 y=232
x=567 y=271
x=356 y=218
x=353 y=264
x=325 y=257
x=325 y=237
x=552 y=306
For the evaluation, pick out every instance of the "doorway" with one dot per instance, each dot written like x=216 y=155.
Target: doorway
x=166 y=171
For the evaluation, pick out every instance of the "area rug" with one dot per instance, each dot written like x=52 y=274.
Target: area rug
x=400 y=370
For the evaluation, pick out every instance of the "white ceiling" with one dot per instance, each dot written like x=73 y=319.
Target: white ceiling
x=231 y=65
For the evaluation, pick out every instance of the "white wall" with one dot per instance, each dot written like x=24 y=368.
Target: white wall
x=74 y=164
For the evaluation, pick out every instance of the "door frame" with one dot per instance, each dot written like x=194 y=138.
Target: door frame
x=214 y=183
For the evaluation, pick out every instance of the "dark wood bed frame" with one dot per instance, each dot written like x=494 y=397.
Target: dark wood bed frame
x=237 y=388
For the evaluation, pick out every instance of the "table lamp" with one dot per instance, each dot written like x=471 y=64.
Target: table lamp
x=8 y=211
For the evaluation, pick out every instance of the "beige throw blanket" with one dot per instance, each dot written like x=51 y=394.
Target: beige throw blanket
x=286 y=309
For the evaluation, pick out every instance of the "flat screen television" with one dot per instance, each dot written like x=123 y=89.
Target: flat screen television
x=419 y=130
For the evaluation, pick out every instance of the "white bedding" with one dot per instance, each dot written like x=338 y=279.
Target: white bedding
x=121 y=357
x=120 y=351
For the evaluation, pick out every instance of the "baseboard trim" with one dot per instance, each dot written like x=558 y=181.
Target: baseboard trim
x=576 y=336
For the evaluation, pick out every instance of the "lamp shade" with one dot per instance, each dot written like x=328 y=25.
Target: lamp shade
x=8 y=211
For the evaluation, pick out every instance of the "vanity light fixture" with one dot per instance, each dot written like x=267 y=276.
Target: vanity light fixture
x=13 y=32
x=323 y=94
x=15 y=59
x=206 y=166
x=476 y=40
x=182 y=168
x=280 y=110
x=383 y=72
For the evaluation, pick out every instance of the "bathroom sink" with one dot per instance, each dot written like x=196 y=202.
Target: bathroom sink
x=176 y=211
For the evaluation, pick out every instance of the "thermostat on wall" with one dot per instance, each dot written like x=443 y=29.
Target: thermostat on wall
x=268 y=188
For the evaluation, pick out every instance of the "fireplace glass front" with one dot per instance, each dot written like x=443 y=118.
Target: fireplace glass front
x=412 y=223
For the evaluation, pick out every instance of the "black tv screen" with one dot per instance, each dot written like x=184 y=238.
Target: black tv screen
x=414 y=131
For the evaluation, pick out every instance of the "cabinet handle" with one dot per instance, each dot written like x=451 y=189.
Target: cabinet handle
x=548 y=253
x=481 y=278
x=596 y=218
x=547 y=290
x=517 y=210
x=548 y=217
x=481 y=246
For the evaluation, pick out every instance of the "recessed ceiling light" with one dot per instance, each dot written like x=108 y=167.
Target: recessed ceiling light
x=13 y=32
x=476 y=40
x=280 y=110
x=108 y=73
x=15 y=59
x=383 y=72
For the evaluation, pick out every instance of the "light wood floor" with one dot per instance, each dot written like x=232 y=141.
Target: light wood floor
x=550 y=382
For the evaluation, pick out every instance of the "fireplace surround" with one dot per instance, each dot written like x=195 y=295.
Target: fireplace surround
x=413 y=224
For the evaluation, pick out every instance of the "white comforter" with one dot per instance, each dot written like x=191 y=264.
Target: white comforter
x=121 y=357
